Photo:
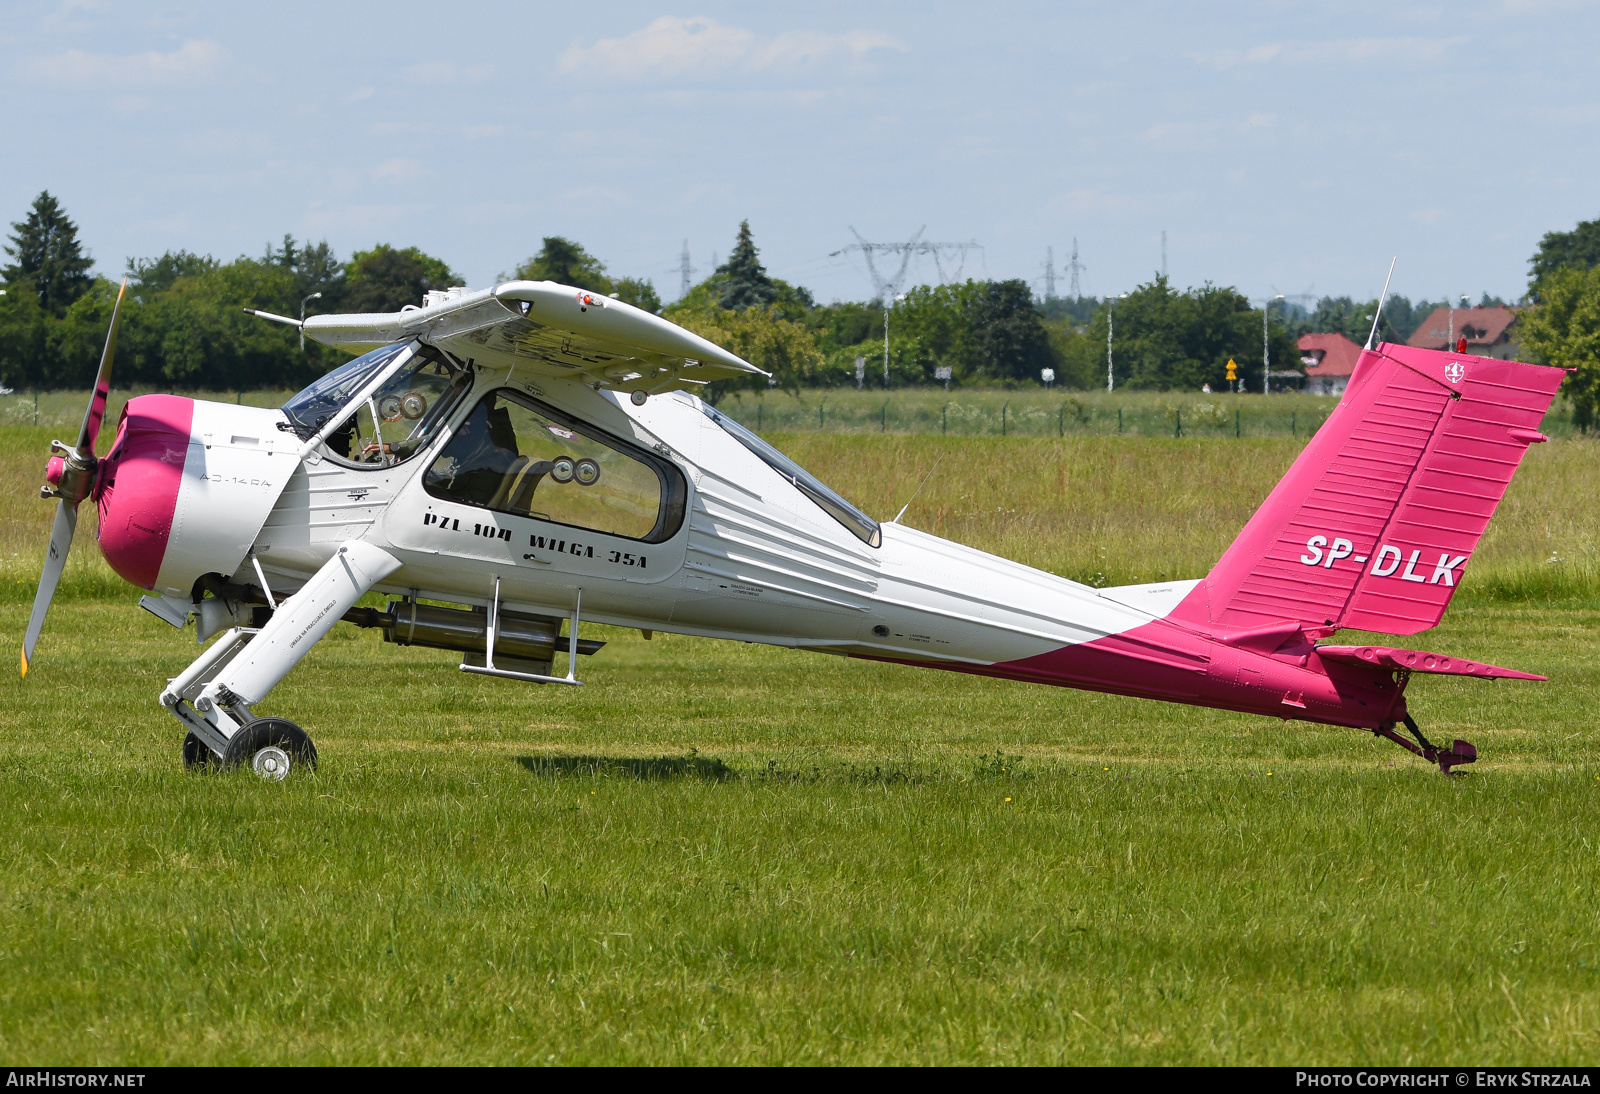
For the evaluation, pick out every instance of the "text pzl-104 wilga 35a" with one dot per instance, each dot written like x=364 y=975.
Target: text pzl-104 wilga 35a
x=536 y=454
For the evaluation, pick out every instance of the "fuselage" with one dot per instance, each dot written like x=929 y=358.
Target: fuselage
x=192 y=488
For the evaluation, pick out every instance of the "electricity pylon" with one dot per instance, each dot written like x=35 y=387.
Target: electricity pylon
x=686 y=271
x=889 y=287
x=1076 y=268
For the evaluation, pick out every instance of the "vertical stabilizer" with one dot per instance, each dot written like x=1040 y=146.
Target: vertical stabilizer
x=1377 y=520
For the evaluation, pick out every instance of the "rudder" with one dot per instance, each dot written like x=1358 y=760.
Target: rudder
x=1378 y=517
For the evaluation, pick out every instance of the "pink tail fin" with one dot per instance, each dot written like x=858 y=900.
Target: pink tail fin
x=1375 y=522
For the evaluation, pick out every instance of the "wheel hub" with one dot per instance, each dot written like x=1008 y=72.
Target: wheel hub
x=271 y=762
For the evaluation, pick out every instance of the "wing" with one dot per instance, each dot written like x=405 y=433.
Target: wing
x=554 y=329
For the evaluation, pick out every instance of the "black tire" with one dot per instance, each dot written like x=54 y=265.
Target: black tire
x=261 y=732
x=196 y=755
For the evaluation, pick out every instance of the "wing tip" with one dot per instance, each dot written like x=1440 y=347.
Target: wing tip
x=24 y=662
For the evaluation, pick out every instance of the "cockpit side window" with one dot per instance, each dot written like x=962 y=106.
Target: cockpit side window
x=854 y=520
x=399 y=419
x=517 y=455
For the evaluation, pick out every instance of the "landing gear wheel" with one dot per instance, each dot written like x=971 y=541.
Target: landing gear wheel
x=272 y=747
x=196 y=755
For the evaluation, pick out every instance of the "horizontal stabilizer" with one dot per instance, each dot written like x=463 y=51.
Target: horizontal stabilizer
x=1377 y=519
x=1420 y=661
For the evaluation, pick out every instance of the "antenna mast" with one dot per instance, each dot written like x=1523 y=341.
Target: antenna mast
x=1049 y=273
x=1075 y=267
x=1378 y=312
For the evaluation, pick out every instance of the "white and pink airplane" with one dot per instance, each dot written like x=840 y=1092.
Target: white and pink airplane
x=535 y=454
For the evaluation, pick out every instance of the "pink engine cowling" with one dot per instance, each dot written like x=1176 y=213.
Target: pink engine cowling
x=138 y=483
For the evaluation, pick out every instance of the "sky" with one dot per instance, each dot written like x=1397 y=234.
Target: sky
x=1282 y=147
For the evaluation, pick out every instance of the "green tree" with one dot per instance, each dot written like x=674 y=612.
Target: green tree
x=771 y=343
x=25 y=358
x=641 y=294
x=157 y=275
x=1166 y=339
x=1577 y=249
x=1353 y=318
x=746 y=283
x=48 y=255
x=386 y=279
x=317 y=269
x=1008 y=331
x=566 y=263
x=1563 y=330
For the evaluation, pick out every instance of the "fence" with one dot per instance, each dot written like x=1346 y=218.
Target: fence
x=980 y=412
x=995 y=414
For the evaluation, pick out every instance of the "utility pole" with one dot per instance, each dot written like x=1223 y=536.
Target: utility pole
x=887 y=304
x=1075 y=267
x=1111 y=314
x=1111 y=321
x=1049 y=273
x=1451 y=348
x=1266 y=353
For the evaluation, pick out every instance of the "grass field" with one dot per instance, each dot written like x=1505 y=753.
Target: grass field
x=728 y=853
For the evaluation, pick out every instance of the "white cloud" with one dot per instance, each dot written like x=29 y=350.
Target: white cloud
x=673 y=48
x=196 y=59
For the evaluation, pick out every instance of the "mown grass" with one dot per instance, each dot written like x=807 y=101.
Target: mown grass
x=726 y=853
x=739 y=854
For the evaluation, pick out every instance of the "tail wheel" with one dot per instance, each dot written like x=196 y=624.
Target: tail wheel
x=272 y=747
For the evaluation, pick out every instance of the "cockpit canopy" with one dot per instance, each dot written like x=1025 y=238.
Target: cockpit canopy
x=417 y=386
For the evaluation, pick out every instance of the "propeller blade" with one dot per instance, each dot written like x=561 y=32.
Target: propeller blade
x=102 y=383
x=55 y=560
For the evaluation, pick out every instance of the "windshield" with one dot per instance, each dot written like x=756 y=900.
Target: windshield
x=397 y=420
x=858 y=523
x=310 y=410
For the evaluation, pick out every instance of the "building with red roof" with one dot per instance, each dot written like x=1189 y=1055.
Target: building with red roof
x=1329 y=360
x=1490 y=332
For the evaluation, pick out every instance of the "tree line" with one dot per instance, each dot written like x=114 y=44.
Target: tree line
x=184 y=328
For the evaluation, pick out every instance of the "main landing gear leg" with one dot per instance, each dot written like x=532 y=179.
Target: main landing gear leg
x=1461 y=752
x=213 y=696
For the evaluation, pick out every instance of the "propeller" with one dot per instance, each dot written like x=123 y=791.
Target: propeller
x=70 y=476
